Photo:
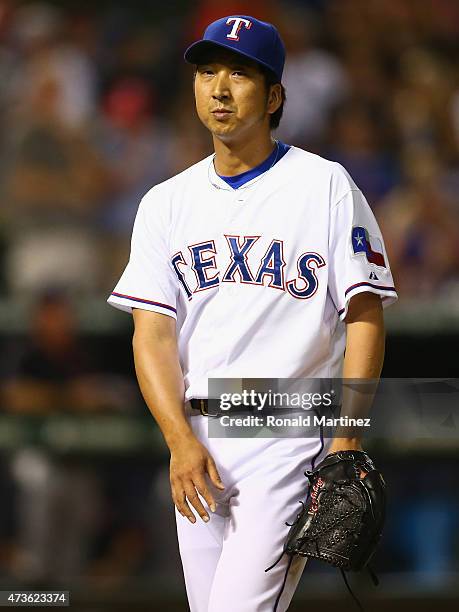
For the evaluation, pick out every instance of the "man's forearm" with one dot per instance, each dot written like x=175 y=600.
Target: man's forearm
x=363 y=363
x=161 y=382
x=364 y=348
x=160 y=379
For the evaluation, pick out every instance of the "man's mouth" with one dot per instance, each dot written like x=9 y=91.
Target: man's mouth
x=221 y=112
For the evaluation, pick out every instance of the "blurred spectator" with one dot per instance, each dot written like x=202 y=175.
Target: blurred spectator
x=56 y=372
x=422 y=227
x=420 y=100
x=53 y=183
x=314 y=79
x=52 y=168
x=58 y=504
x=136 y=148
x=356 y=143
x=40 y=32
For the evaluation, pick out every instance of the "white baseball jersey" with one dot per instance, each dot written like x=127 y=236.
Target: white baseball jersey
x=259 y=278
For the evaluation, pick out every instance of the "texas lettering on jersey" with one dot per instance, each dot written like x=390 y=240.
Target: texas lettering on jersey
x=267 y=271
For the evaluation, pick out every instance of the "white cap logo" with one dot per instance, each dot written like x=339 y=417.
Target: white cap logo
x=237 y=24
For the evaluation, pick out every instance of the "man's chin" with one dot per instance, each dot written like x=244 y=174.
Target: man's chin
x=223 y=132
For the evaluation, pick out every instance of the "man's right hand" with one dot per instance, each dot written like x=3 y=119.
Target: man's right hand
x=190 y=463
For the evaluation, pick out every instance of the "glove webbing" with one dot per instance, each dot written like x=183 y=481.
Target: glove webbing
x=321 y=530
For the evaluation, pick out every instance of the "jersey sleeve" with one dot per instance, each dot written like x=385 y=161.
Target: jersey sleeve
x=148 y=281
x=357 y=256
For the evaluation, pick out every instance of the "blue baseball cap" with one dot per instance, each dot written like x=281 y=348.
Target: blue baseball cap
x=245 y=35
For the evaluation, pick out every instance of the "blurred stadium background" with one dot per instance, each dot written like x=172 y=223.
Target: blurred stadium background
x=96 y=105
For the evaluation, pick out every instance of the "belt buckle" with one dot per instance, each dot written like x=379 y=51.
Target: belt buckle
x=202 y=408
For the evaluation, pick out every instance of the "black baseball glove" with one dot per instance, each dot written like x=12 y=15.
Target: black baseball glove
x=343 y=516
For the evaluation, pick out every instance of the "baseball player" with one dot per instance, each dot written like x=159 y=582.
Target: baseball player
x=260 y=261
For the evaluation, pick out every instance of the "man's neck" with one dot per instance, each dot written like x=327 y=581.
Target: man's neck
x=233 y=158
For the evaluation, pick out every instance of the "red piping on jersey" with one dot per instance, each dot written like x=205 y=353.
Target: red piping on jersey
x=135 y=299
x=373 y=286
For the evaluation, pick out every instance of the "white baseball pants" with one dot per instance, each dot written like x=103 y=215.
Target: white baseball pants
x=224 y=560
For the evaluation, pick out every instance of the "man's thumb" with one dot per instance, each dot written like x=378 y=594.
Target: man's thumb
x=213 y=474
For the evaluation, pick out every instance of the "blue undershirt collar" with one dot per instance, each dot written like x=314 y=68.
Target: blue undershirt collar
x=245 y=177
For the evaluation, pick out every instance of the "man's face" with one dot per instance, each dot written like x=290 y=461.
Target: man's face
x=231 y=97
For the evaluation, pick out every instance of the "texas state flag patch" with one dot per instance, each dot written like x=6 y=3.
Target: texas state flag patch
x=370 y=246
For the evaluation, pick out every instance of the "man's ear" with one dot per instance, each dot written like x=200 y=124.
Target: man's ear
x=274 y=98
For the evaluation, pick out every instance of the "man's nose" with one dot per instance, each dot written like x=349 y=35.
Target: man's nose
x=221 y=86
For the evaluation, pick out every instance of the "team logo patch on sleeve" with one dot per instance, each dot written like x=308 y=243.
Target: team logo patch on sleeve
x=370 y=246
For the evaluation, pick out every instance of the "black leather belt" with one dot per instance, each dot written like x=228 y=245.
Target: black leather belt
x=203 y=406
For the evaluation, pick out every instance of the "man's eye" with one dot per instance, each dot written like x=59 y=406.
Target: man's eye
x=239 y=73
